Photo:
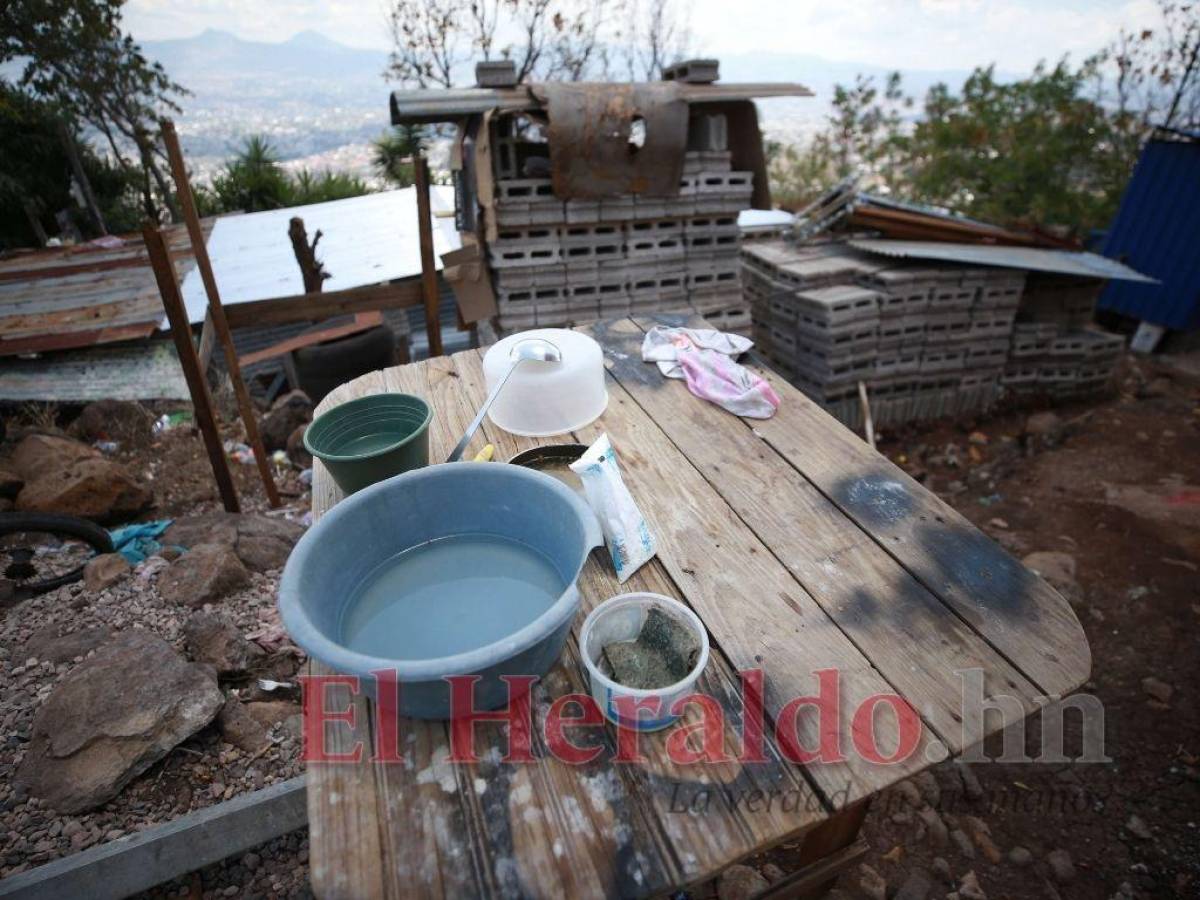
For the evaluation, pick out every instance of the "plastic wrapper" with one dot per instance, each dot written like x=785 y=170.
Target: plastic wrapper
x=626 y=533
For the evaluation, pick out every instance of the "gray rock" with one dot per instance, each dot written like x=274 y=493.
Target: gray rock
x=39 y=453
x=941 y=868
x=1061 y=866
x=1058 y=570
x=1045 y=427
x=969 y=889
x=971 y=786
x=1159 y=690
x=287 y=413
x=772 y=873
x=1020 y=857
x=240 y=728
x=963 y=843
x=915 y=887
x=740 y=882
x=261 y=542
x=939 y=834
x=871 y=883
x=125 y=421
x=296 y=450
x=91 y=488
x=119 y=713
x=48 y=644
x=1138 y=828
x=930 y=790
x=214 y=639
x=204 y=574
x=909 y=792
x=104 y=571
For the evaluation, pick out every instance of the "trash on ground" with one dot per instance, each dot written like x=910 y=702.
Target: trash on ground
x=138 y=541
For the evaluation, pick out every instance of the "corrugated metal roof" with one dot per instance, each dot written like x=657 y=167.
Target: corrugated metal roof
x=95 y=293
x=146 y=370
x=1034 y=259
x=1157 y=229
x=423 y=105
x=364 y=240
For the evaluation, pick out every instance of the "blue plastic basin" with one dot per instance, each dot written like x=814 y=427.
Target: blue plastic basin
x=350 y=543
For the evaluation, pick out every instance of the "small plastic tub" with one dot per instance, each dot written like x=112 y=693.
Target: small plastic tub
x=371 y=438
x=621 y=618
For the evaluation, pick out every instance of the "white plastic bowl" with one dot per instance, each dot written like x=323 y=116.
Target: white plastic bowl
x=547 y=398
x=620 y=618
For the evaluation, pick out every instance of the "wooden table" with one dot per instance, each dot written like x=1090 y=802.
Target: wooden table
x=801 y=549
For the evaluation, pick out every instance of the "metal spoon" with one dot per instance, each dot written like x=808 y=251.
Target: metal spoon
x=531 y=348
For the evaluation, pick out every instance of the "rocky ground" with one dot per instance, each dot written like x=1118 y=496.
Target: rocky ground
x=1101 y=497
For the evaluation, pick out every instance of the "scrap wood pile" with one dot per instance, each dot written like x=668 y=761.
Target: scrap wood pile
x=557 y=263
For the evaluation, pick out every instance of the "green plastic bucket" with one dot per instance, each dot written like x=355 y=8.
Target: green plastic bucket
x=372 y=438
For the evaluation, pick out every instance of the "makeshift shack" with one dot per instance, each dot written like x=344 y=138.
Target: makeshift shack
x=578 y=201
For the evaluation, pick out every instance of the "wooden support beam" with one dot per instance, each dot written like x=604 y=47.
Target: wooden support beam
x=361 y=323
x=316 y=307
x=429 y=284
x=133 y=864
x=183 y=190
x=181 y=333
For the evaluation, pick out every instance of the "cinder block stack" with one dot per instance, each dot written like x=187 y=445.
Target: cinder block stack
x=1052 y=351
x=557 y=264
x=927 y=341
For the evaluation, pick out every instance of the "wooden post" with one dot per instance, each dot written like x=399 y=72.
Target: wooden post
x=429 y=285
x=181 y=332
x=187 y=203
x=311 y=270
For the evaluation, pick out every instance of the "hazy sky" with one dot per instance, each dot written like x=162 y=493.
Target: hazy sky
x=908 y=34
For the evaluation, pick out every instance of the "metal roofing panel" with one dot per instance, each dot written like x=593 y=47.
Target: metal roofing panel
x=1035 y=259
x=423 y=105
x=1157 y=229
x=141 y=371
x=364 y=240
x=79 y=296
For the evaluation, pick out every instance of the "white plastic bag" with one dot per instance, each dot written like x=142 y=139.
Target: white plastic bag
x=629 y=541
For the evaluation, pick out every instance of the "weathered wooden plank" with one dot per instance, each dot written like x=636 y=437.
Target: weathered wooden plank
x=894 y=620
x=705 y=842
x=347 y=859
x=755 y=609
x=314 y=307
x=140 y=861
x=1016 y=612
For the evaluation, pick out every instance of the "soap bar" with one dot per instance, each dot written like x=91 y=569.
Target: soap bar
x=663 y=653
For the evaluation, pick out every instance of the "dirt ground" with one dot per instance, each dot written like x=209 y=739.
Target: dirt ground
x=1115 y=484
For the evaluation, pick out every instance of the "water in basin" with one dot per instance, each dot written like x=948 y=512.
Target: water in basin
x=448 y=596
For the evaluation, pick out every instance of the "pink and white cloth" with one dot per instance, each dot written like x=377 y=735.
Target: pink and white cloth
x=705 y=359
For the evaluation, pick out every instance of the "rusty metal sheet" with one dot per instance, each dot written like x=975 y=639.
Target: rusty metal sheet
x=591 y=155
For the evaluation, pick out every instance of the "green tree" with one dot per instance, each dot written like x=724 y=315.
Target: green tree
x=1034 y=151
x=391 y=151
x=254 y=180
x=75 y=55
x=35 y=176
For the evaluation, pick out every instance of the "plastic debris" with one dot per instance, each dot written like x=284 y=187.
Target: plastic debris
x=239 y=452
x=306 y=476
x=107 y=446
x=138 y=541
x=167 y=421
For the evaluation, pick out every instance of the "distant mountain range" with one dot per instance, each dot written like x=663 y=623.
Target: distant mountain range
x=321 y=101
